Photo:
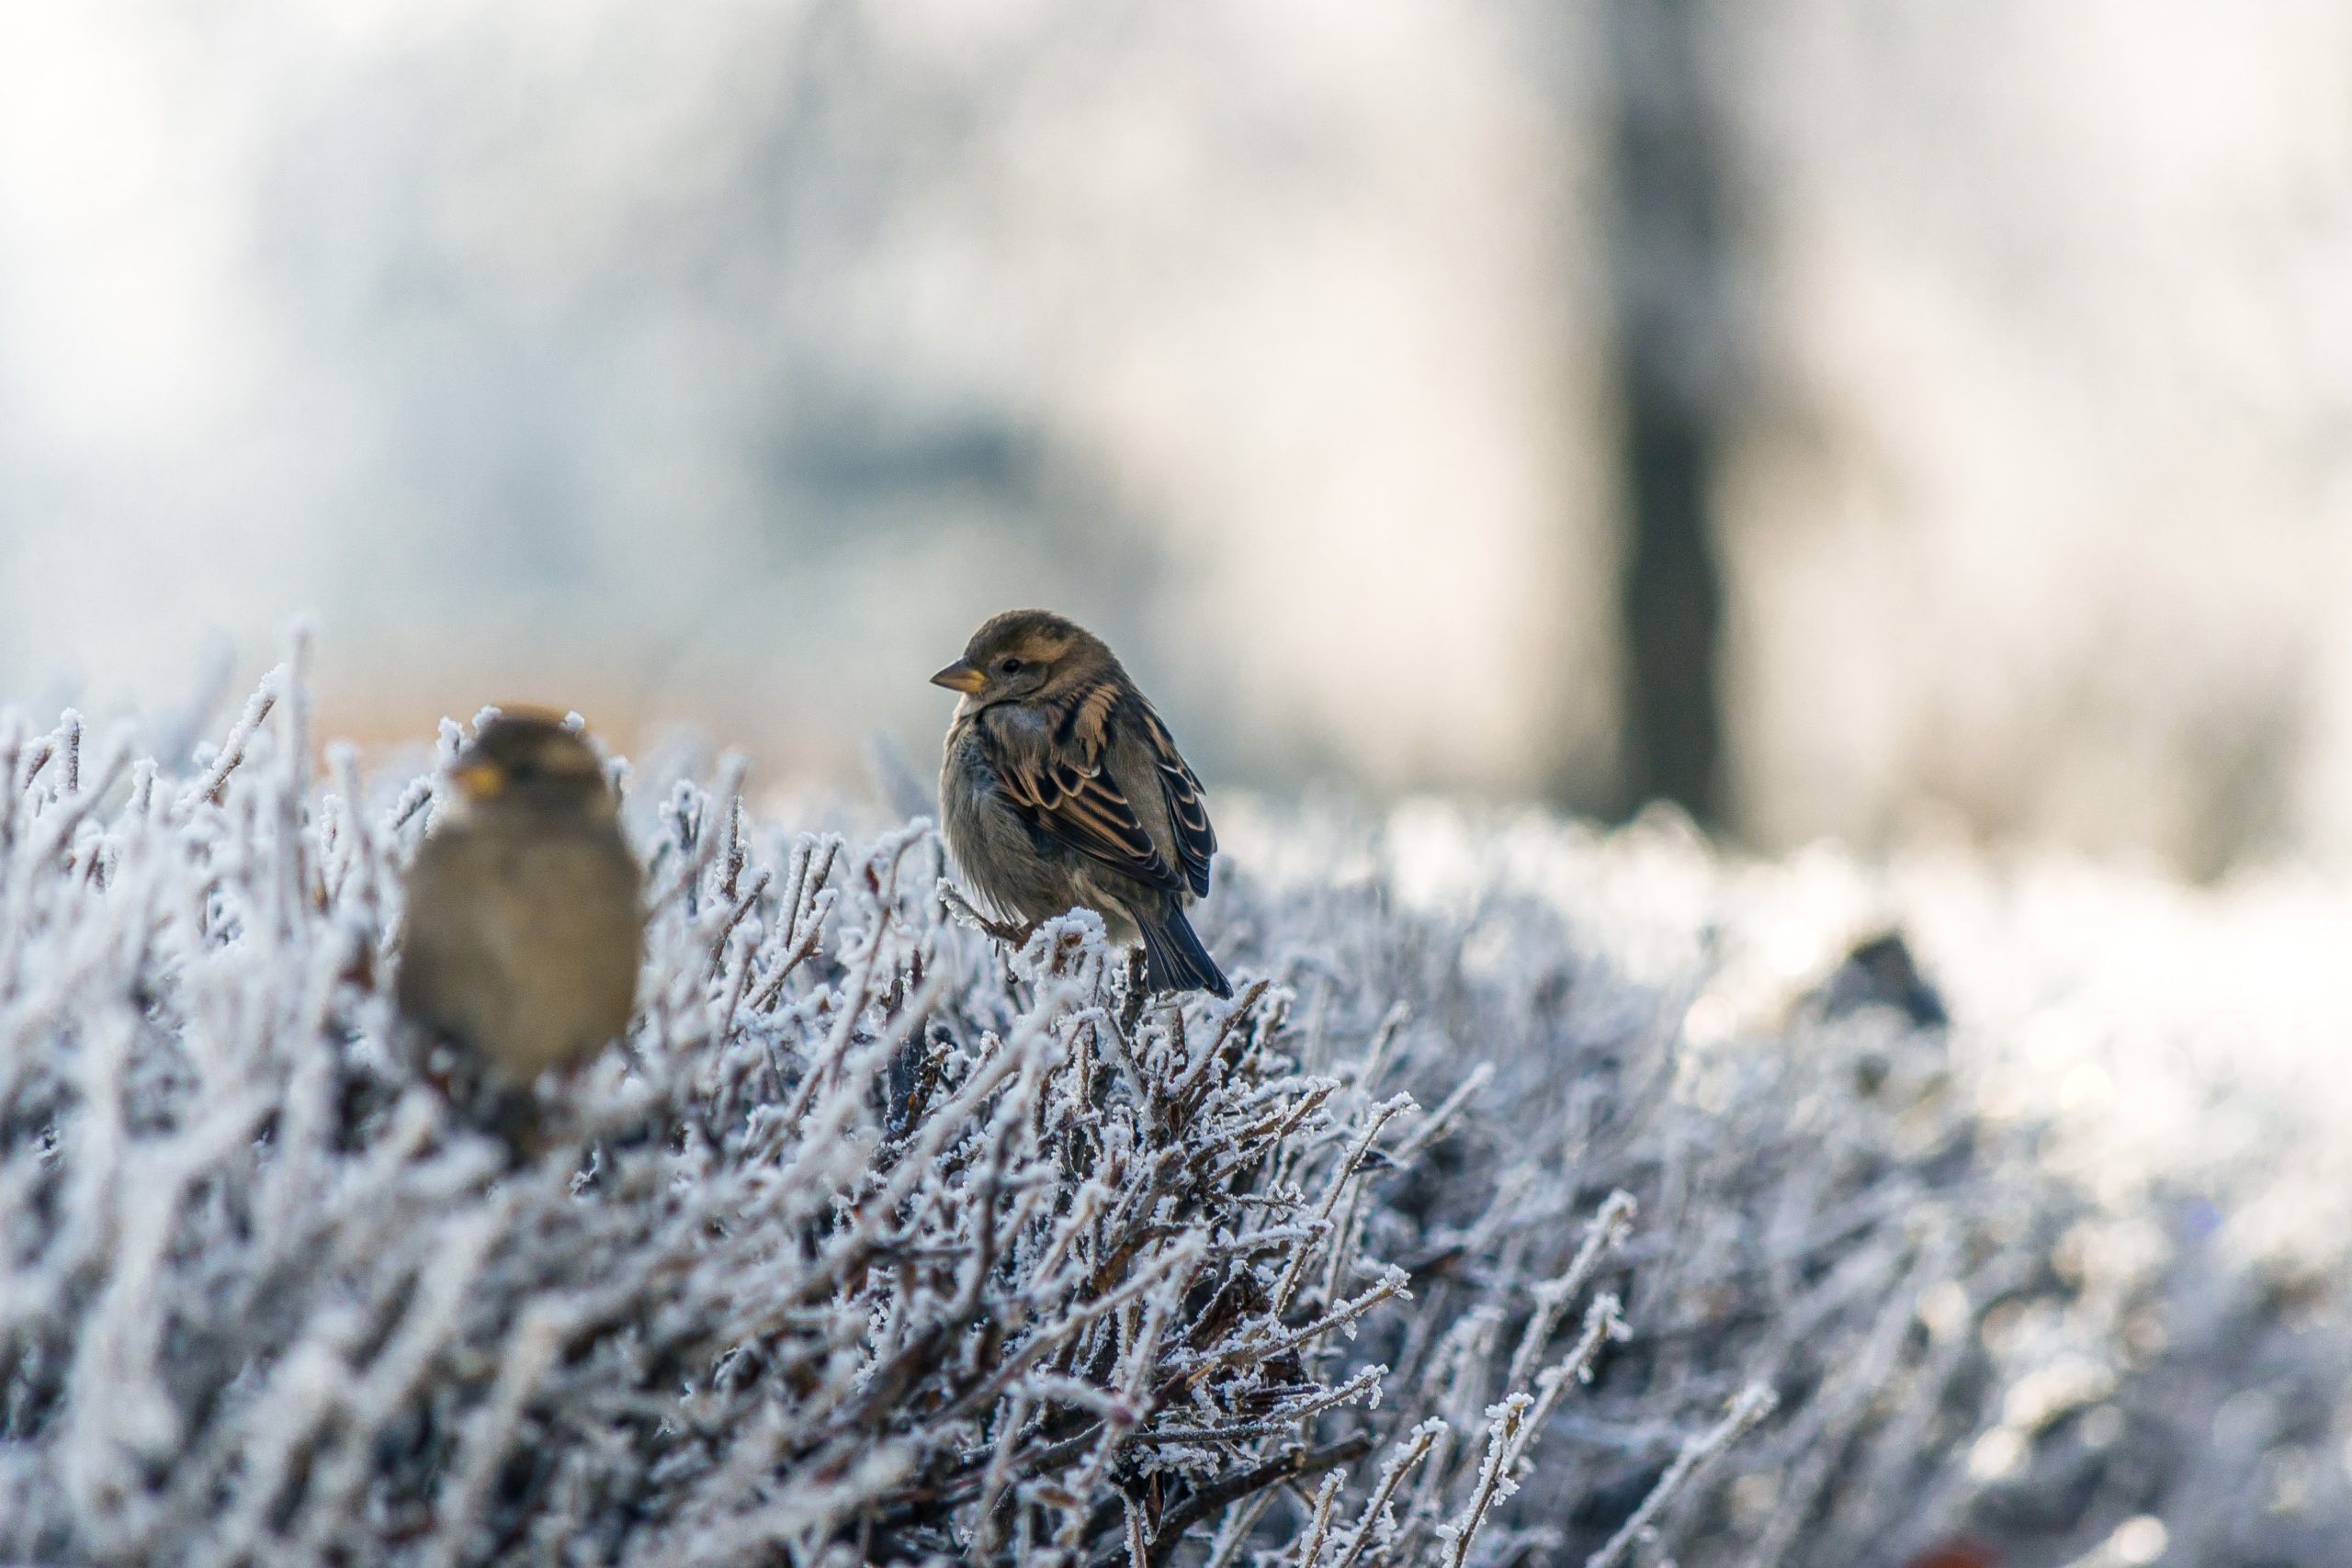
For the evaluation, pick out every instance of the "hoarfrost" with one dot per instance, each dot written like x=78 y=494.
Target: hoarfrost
x=1446 y=1241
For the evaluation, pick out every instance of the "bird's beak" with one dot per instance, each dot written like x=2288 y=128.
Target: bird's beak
x=960 y=677
x=481 y=779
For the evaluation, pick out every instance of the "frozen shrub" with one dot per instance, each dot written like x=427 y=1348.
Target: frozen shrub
x=1464 y=1234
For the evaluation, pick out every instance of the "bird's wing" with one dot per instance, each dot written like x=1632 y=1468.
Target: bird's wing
x=1188 y=814
x=1065 y=789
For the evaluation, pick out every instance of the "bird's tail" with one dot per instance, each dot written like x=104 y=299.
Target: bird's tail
x=1173 y=957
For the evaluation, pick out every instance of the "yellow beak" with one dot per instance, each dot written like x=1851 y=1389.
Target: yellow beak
x=481 y=779
x=960 y=677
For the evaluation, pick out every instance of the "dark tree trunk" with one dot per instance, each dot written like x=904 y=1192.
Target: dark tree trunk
x=1674 y=362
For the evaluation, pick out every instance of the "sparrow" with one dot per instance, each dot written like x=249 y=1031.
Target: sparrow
x=1062 y=789
x=525 y=928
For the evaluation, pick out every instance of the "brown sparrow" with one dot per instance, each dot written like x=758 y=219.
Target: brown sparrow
x=524 y=928
x=1061 y=789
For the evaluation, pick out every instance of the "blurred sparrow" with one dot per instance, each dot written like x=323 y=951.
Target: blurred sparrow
x=1061 y=789
x=523 y=929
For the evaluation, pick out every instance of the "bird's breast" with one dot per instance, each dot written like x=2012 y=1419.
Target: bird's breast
x=1007 y=859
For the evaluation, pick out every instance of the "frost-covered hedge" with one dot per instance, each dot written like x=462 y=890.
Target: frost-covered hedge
x=1469 y=1232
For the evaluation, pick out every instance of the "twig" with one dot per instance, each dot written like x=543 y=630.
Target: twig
x=1273 y=1473
x=1753 y=1405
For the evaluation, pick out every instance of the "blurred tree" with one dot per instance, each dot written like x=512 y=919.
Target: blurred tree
x=1669 y=276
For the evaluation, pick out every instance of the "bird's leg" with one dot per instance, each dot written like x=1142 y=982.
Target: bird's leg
x=1005 y=931
x=513 y=1114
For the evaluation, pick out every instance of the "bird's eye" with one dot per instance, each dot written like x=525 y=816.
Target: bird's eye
x=1009 y=666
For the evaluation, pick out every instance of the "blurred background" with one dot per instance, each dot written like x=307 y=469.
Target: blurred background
x=1843 y=418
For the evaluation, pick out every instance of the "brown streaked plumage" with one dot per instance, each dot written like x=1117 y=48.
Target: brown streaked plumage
x=523 y=929
x=1062 y=789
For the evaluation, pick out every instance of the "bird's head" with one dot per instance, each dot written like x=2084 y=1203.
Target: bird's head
x=533 y=761
x=1020 y=653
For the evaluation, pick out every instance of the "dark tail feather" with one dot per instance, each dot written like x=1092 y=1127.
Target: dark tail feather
x=1174 y=958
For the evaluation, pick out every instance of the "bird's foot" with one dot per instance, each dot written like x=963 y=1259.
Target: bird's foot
x=1012 y=934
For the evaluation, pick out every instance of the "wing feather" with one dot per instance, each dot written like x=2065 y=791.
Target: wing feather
x=1067 y=792
x=1187 y=812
